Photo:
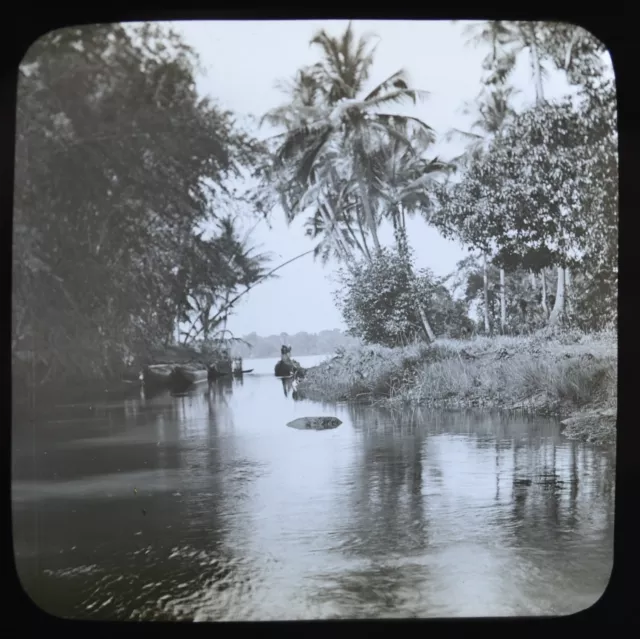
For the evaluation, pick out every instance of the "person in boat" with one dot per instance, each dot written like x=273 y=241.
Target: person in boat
x=285 y=366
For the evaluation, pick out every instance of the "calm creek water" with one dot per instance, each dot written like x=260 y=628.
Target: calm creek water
x=207 y=507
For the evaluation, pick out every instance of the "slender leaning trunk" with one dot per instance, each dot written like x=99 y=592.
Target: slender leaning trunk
x=503 y=303
x=485 y=281
x=403 y=251
x=557 y=314
x=543 y=303
x=569 y=289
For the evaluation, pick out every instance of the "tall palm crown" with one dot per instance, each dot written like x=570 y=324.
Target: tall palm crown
x=339 y=130
x=493 y=111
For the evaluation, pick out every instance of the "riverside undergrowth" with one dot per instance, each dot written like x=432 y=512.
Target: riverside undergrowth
x=566 y=373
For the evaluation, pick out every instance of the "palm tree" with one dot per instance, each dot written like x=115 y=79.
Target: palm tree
x=507 y=39
x=334 y=140
x=341 y=127
x=402 y=184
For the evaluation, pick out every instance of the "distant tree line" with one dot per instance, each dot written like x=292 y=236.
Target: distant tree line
x=303 y=343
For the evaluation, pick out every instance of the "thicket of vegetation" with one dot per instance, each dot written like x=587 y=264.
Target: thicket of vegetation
x=118 y=164
x=534 y=197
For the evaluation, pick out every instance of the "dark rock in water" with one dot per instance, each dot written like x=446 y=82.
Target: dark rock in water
x=315 y=423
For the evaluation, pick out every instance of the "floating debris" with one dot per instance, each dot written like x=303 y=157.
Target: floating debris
x=315 y=423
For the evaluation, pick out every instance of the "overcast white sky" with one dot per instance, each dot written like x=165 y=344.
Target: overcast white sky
x=242 y=61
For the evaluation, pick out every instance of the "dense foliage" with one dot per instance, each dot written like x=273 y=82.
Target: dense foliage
x=379 y=301
x=118 y=165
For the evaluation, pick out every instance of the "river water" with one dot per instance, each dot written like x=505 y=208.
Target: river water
x=208 y=507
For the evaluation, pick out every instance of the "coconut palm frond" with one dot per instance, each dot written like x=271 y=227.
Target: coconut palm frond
x=299 y=140
x=452 y=134
x=395 y=88
x=309 y=157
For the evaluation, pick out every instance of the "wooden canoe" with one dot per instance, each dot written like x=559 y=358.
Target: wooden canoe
x=157 y=375
x=186 y=376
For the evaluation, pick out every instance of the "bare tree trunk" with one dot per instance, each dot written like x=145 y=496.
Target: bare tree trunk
x=543 y=303
x=503 y=303
x=485 y=278
x=569 y=289
x=532 y=277
x=557 y=314
x=425 y=323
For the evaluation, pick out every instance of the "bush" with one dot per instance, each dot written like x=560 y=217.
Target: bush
x=380 y=302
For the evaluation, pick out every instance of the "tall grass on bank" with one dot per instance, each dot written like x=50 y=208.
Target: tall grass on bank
x=552 y=372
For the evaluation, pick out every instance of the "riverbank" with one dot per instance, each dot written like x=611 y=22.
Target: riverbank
x=570 y=375
x=77 y=385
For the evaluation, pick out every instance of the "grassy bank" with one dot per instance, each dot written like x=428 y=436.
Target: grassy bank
x=570 y=374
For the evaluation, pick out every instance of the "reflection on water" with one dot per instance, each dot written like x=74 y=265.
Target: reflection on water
x=207 y=507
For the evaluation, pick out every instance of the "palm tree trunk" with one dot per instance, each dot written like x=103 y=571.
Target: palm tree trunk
x=543 y=303
x=333 y=234
x=354 y=237
x=567 y=57
x=363 y=234
x=330 y=220
x=557 y=314
x=368 y=213
x=503 y=303
x=485 y=286
x=536 y=65
x=226 y=309
x=532 y=277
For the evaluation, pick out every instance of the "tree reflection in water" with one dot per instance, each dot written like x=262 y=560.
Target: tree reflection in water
x=420 y=488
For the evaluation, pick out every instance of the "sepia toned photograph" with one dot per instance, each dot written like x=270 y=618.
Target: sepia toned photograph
x=314 y=320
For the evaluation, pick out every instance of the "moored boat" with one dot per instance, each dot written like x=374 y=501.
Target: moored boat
x=156 y=375
x=186 y=375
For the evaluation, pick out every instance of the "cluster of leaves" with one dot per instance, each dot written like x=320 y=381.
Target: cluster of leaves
x=118 y=164
x=545 y=194
x=379 y=301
